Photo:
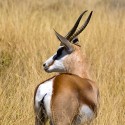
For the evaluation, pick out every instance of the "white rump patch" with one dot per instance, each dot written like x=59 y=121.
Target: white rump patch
x=44 y=91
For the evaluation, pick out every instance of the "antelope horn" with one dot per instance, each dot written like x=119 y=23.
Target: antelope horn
x=82 y=27
x=71 y=32
x=65 y=42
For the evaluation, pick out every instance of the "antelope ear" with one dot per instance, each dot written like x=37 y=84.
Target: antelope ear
x=75 y=40
x=65 y=42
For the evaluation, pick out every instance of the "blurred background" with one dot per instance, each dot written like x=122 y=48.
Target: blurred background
x=27 y=39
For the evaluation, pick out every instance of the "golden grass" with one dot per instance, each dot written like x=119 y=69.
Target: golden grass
x=27 y=40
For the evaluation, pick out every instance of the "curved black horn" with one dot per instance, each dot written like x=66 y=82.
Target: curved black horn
x=82 y=27
x=71 y=32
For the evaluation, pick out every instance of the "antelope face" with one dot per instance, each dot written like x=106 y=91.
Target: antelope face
x=56 y=63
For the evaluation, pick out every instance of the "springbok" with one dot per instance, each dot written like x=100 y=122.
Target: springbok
x=69 y=97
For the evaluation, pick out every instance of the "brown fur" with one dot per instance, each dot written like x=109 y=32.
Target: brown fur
x=70 y=92
x=73 y=89
x=76 y=63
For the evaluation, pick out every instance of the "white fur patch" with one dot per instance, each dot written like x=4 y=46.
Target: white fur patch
x=85 y=110
x=57 y=65
x=85 y=115
x=44 y=91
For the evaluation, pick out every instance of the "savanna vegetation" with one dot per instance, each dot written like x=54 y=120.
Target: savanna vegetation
x=27 y=40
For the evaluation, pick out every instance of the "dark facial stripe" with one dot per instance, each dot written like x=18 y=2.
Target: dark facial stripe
x=59 y=53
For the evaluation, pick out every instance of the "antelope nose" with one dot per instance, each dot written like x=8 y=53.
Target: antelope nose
x=44 y=64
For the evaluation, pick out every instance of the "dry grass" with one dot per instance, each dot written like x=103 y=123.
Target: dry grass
x=27 y=40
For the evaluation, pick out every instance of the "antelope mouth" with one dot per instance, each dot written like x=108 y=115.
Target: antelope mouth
x=46 y=69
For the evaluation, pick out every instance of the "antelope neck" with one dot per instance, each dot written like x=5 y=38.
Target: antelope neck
x=80 y=70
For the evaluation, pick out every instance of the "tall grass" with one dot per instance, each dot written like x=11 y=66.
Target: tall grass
x=27 y=40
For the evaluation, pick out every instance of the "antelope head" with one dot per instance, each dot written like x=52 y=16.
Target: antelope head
x=68 y=55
